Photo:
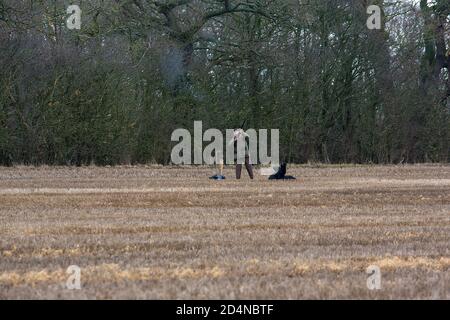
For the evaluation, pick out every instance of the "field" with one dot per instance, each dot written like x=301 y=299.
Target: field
x=159 y=233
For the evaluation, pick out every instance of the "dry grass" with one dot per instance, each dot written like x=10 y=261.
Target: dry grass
x=149 y=232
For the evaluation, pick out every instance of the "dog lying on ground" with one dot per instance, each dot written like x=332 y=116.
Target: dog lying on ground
x=281 y=174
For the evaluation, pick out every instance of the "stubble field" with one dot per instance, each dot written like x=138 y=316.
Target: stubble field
x=170 y=233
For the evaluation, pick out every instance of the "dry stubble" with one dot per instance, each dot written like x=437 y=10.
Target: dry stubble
x=152 y=232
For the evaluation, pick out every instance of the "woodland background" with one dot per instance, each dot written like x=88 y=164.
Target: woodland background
x=113 y=92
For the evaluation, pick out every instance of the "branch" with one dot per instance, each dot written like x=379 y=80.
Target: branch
x=226 y=10
x=227 y=4
x=235 y=10
x=166 y=8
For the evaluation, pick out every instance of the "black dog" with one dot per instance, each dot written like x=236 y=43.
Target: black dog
x=281 y=174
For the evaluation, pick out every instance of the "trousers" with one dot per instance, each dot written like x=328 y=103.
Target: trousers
x=248 y=166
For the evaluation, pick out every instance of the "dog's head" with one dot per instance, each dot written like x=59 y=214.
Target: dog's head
x=283 y=167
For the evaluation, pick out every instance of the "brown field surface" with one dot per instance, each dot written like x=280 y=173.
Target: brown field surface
x=159 y=233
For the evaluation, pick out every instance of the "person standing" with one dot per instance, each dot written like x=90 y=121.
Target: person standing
x=241 y=136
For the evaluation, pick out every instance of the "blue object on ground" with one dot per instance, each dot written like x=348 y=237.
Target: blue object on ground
x=217 y=177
